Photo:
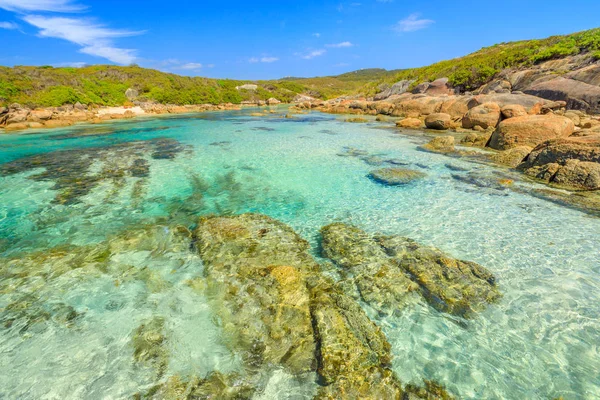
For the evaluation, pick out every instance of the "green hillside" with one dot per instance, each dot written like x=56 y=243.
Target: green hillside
x=106 y=84
x=472 y=71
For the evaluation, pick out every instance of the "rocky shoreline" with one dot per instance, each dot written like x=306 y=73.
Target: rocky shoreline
x=540 y=137
x=18 y=118
x=545 y=139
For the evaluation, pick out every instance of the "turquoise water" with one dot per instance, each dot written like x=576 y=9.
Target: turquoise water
x=540 y=341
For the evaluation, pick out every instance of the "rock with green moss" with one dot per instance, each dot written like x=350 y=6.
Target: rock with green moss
x=353 y=353
x=256 y=271
x=215 y=386
x=450 y=285
x=429 y=391
x=395 y=176
x=150 y=345
x=365 y=263
x=278 y=309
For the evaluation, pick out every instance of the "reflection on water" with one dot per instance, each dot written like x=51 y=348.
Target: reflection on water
x=104 y=293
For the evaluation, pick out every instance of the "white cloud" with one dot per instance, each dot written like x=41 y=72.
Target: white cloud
x=77 y=64
x=190 y=66
x=312 y=54
x=40 y=5
x=114 y=54
x=412 y=23
x=316 y=34
x=340 y=45
x=8 y=25
x=95 y=39
x=263 y=59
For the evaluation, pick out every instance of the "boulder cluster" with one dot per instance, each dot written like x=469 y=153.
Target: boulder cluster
x=544 y=138
x=17 y=117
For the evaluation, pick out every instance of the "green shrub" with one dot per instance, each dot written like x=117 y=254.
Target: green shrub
x=57 y=96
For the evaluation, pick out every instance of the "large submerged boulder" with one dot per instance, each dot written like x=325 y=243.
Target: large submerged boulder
x=530 y=130
x=450 y=285
x=278 y=309
x=378 y=280
x=256 y=266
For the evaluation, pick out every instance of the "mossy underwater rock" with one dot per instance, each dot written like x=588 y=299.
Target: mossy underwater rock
x=440 y=144
x=395 y=176
x=215 y=386
x=149 y=345
x=277 y=309
x=354 y=354
x=449 y=285
x=255 y=268
x=365 y=264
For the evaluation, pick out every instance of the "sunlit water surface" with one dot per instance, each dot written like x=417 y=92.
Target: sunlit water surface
x=540 y=341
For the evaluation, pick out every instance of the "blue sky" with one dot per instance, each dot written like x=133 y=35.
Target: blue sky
x=267 y=39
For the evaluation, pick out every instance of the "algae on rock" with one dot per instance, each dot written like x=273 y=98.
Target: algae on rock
x=450 y=285
x=269 y=291
x=255 y=269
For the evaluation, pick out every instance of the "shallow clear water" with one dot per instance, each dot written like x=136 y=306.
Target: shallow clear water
x=540 y=341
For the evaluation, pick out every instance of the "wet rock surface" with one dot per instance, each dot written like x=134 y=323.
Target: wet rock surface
x=449 y=285
x=366 y=265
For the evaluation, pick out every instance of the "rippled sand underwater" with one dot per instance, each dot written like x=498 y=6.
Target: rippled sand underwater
x=103 y=293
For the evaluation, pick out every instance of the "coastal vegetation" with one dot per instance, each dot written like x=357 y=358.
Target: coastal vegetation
x=472 y=71
x=105 y=85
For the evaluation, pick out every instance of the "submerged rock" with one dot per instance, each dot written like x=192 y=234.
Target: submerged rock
x=450 y=285
x=277 y=309
x=149 y=344
x=379 y=282
x=440 y=144
x=431 y=391
x=256 y=266
x=73 y=173
x=480 y=180
x=215 y=386
x=395 y=176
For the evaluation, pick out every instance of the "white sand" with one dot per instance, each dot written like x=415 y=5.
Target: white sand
x=120 y=110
